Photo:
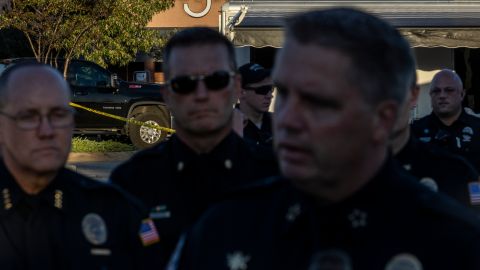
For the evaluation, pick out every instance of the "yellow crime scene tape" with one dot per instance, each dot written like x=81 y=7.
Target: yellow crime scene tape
x=132 y=121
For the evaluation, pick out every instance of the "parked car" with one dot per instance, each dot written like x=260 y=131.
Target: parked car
x=98 y=89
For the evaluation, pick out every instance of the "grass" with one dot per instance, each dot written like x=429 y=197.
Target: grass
x=85 y=145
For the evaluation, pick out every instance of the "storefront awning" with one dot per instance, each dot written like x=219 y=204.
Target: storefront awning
x=448 y=24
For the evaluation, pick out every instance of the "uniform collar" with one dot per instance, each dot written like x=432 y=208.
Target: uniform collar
x=266 y=122
x=353 y=212
x=223 y=154
x=462 y=118
x=11 y=194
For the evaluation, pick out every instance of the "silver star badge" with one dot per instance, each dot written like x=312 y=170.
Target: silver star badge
x=358 y=218
x=237 y=261
x=293 y=212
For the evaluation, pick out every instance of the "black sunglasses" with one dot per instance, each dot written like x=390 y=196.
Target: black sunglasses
x=261 y=90
x=188 y=83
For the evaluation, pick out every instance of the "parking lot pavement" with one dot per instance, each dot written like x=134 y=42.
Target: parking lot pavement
x=96 y=165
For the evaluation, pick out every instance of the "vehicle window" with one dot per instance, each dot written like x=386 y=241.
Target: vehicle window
x=81 y=74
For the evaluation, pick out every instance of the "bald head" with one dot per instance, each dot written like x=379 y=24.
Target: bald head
x=29 y=75
x=447 y=74
x=447 y=93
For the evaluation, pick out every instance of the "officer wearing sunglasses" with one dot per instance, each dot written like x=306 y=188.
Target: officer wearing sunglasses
x=205 y=160
x=255 y=99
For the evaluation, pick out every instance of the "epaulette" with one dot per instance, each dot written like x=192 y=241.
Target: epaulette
x=86 y=183
x=151 y=151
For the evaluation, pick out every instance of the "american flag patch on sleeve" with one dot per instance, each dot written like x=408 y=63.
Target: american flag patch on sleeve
x=148 y=233
x=474 y=191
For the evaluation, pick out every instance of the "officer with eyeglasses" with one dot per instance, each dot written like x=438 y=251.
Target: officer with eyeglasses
x=205 y=160
x=255 y=99
x=51 y=217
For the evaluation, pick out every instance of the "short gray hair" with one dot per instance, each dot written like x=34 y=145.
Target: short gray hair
x=197 y=36
x=382 y=62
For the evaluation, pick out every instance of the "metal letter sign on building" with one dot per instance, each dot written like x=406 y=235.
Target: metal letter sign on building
x=198 y=14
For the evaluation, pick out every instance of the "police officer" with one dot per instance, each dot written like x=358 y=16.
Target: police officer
x=433 y=166
x=341 y=76
x=449 y=126
x=50 y=217
x=205 y=159
x=255 y=99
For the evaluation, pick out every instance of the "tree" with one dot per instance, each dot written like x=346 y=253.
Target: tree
x=105 y=31
x=14 y=44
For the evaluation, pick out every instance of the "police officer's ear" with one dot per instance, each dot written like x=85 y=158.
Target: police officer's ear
x=462 y=93
x=384 y=120
x=415 y=92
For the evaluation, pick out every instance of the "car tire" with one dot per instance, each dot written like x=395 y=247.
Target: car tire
x=144 y=136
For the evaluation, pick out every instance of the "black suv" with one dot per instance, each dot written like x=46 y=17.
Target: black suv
x=98 y=89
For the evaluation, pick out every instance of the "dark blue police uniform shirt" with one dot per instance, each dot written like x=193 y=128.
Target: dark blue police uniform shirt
x=75 y=223
x=441 y=171
x=462 y=137
x=392 y=223
x=260 y=140
x=260 y=136
x=177 y=185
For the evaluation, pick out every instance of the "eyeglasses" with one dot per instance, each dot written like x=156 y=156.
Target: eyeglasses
x=261 y=90
x=187 y=84
x=57 y=118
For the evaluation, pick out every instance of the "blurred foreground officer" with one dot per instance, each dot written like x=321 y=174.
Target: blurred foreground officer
x=341 y=76
x=255 y=99
x=205 y=159
x=435 y=167
x=449 y=126
x=50 y=217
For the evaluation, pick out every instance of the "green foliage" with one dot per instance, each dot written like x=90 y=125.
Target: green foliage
x=14 y=44
x=105 y=31
x=84 y=145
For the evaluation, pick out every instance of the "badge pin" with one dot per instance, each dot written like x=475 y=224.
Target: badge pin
x=425 y=139
x=94 y=229
x=404 y=261
x=180 y=166
x=358 y=218
x=293 y=212
x=330 y=259
x=467 y=130
x=429 y=183
x=100 y=251
x=7 y=201
x=148 y=232
x=459 y=142
x=426 y=131
x=407 y=167
x=160 y=212
x=228 y=164
x=58 y=202
x=474 y=192
x=237 y=261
